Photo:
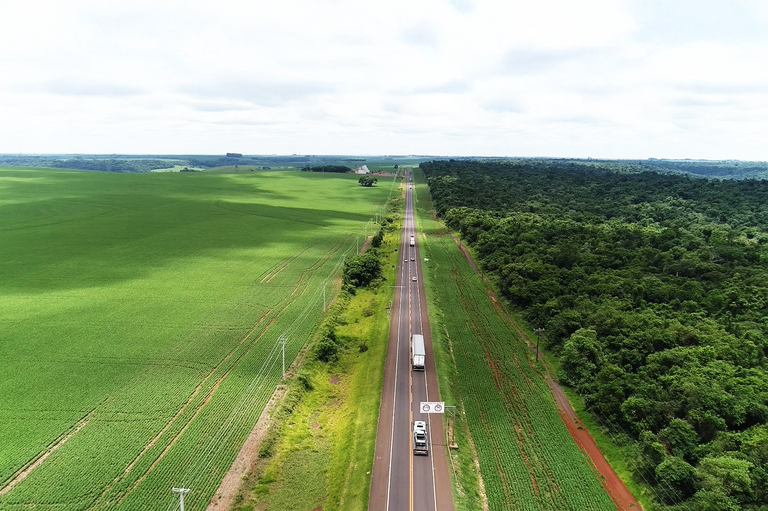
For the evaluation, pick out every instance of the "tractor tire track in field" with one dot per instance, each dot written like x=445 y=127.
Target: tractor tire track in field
x=248 y=454
x=220 y=204
x=278 y=267
x=181 y=410
x=224 y=497
x=199 y=407
x=52 y=212
x=299 y=289
x=172 y=442
x=283 y=304
x=612 y=483
x=32 y=464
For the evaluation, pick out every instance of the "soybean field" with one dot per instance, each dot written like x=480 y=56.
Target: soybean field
x=141 y=318
x=527 y=458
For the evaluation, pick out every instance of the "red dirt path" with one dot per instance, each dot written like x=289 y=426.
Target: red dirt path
x=610 y=480
x=616 y=488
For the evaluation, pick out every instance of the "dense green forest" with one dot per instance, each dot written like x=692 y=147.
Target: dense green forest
x=652 y=288
x=721 y=169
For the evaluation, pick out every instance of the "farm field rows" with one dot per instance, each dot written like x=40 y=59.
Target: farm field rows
x=139 y=320
x=528 y=460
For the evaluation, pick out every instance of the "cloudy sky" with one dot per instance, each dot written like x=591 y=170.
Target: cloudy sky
x=600 y=78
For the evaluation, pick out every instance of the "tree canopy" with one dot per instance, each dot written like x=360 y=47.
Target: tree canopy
x=361 y=270
x=652 y=289
x=367 y=180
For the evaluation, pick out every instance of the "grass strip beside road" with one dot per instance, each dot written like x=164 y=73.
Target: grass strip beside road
x=323 y=438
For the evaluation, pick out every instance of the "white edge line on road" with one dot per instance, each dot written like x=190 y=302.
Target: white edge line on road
x=409 y=196
x=421 y=328
x=397 y=358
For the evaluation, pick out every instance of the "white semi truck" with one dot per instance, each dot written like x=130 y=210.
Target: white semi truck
x=417 y=352
x=413 y=241
x=420 y=441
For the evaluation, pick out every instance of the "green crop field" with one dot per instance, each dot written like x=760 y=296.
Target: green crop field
x=139 y=320
x=528 y=460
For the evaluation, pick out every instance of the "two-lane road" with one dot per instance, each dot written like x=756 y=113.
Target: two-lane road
x=400 y=480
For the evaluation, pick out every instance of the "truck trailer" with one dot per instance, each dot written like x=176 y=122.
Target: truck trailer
x=420 y=441
x=417 y=352
x=413 y=241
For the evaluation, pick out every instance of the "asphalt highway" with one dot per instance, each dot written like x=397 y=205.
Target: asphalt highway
x=401 y=480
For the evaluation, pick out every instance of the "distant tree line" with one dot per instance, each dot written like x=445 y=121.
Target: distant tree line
x=327 y=168
x=719 y=169
x=114 y=165
x=653 y=291
x=222 y=161
x=102 y=164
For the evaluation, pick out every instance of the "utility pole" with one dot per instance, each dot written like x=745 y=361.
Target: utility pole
x=283 y=340
x=181 y=492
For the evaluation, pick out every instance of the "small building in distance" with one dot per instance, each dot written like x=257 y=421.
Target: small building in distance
x=363 y=169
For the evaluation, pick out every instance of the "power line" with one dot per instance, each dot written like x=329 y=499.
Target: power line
x=230 y=425
x=244 y=407
x=282 y=340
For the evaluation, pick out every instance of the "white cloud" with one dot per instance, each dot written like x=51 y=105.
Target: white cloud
x=613 y=78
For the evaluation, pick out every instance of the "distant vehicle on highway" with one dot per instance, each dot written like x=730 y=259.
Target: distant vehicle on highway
x=413 y=258
x=420 y=444
x=414 y=278
x=413 y=241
